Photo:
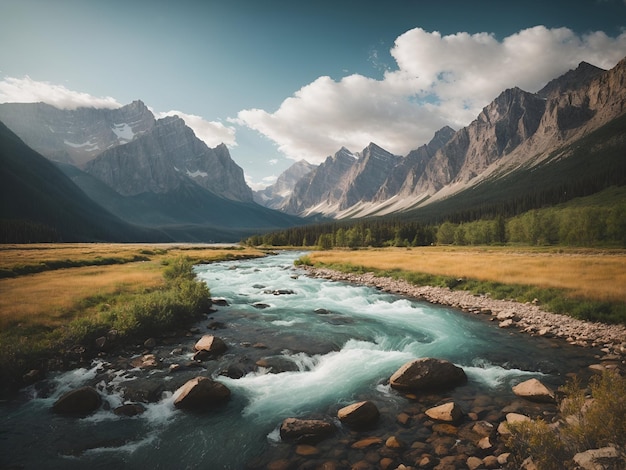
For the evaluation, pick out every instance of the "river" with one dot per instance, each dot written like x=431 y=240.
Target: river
x=335 y=344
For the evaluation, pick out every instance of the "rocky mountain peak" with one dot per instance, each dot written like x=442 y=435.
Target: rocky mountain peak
x=275 y=195
x=579 y=77
x=160 y=160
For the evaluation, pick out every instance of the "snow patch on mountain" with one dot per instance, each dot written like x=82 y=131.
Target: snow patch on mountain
x=123 y=131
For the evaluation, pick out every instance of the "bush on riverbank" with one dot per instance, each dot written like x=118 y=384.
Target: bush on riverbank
x=132 y=315
x=590 y=418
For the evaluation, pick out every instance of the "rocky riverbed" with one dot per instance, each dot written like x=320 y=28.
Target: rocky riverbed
x=241 y=365
x=526 y=317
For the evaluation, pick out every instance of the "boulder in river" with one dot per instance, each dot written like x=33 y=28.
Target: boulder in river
x=359 y=415
x=534 y=390
x=448 y=412
x=306 y=431
x=81 y=401
x=211 y=344
x=201 y=393
x=427 y=374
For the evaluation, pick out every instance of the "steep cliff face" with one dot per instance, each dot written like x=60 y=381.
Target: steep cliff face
x=275 y=195
x=321 y=186
x=160 y=160
x=75 y=136
x=409 y=170
x=366 y=176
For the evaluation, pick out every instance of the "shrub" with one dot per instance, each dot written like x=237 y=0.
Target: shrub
x=588 y=422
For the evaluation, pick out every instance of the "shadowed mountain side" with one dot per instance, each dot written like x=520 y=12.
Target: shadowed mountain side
x=33 y=189
x=189 y=212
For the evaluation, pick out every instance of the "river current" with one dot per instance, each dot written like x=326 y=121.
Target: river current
x=324 y=345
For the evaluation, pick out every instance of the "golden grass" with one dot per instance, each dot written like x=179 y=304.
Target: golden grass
x=52 y=298
x=47 y=298
x=592 y=274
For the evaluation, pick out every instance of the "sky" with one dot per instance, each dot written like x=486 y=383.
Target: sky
x=278 y=81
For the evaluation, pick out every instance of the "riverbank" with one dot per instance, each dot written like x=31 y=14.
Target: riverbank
x=527 y=318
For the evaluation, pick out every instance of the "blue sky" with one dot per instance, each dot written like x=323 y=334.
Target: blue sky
x=278 y=80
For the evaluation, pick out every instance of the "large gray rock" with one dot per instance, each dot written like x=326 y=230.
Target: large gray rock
x=306 y=431
x=201 y=393
x=361 y=414
x=81 y=401
x=427 y=374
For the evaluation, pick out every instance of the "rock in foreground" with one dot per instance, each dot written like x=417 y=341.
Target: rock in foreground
x=211 y=344
x=81 y=401
x=427 y=374
x=358 y=415
x=201 y=393
x=534 y=390
x=306 y=431
x=448 y=412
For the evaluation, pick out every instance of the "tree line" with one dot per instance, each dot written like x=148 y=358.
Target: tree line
x=573 y=226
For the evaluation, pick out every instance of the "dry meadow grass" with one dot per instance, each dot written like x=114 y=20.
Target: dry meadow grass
x=591 y=274
x=51 y=298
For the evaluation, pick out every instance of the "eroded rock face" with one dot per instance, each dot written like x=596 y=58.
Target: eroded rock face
x=361 y=414
x=427 y=374
x=201 y=393
x=81 y=401
x=306 y=431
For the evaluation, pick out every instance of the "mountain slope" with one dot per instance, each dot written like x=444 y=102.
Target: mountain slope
x=75 y=136
x=514 y=134
x=163 y=159
x=32 y=189
x=274 y=195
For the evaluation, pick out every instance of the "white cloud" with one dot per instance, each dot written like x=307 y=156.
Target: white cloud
x=212 y=133
x=27 y=90
x=439 y=80
x=265 y=182
x=273 y=161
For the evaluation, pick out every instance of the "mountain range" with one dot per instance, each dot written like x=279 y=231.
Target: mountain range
x=150 y=172
x=130 y=176
x=518 y=131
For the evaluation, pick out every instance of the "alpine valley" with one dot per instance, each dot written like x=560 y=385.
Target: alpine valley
x=120 y=174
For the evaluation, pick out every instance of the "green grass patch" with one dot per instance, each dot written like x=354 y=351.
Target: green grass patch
x=133 y=315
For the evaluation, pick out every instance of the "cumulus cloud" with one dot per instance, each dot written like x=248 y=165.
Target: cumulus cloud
x=27 y=90
x=439 y=80
x=212 y=133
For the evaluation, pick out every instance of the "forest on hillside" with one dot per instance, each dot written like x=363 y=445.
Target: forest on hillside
x=595 y=220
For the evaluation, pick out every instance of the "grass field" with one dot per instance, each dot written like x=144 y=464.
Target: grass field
x=592 y=274
x=56 y=295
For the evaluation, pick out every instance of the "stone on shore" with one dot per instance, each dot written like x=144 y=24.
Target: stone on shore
x=534 y=390
x=427 y=374
x=80 y=401
x=211 y=344
x=359 y=415
x=448 y=412
x=511 y=418
x=305 y=431
x=598 y=459
x=201 y=393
